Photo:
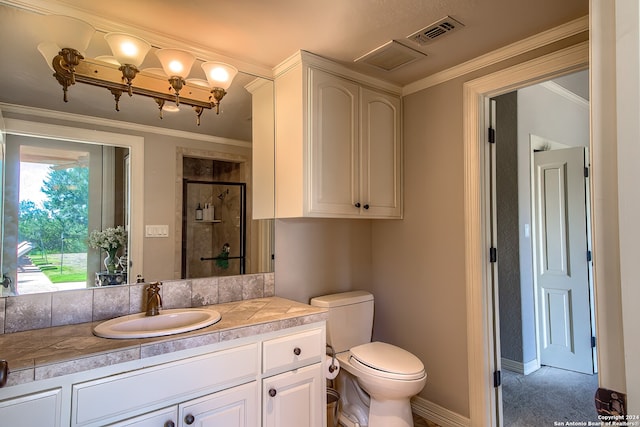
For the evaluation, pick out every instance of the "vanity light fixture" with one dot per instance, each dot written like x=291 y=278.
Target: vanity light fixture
x=69 y=38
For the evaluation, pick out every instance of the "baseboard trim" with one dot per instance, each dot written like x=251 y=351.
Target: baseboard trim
x=519 y=367
x=436 y=413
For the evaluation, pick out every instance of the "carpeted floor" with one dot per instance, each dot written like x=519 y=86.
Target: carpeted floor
x=546 y=396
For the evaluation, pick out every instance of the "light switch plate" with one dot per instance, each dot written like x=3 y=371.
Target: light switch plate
x=156 y=231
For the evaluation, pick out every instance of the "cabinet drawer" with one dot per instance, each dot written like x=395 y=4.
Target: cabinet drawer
x=161 y=417
x=293 y=350
x=136 y=392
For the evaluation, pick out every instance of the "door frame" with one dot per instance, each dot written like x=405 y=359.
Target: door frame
x=482 y=363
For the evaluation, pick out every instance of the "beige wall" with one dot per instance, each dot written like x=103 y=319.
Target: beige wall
x=418 y=263
x=321 y=256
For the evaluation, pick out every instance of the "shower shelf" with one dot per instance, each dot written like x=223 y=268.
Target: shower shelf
x=208 y=222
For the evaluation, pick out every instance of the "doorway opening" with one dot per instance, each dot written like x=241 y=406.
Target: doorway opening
x=544 y=313
x=485 y=393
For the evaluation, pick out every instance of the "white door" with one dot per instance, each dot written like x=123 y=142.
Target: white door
x=235 y=407
x=334 y=146
x=293 y=399
x=380 y=153
x=562 y=283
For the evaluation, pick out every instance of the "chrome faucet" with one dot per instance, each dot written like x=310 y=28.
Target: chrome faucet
x=154 y=301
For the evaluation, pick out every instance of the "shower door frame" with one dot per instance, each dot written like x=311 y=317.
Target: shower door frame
x=243 y=220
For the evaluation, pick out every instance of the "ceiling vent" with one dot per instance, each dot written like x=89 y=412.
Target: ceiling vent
x=390 y=56
x=436 y=31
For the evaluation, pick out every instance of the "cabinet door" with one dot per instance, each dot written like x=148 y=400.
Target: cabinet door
x=381 y=155
x=33 y=410
x=333 y=167
x=236 y=407
x=295 y=398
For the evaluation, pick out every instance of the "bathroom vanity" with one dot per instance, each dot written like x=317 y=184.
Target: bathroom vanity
x=261 y=365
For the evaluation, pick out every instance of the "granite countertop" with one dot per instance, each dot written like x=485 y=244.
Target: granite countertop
x=51 y=352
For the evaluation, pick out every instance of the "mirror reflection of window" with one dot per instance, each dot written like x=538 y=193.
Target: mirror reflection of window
x=57 y=192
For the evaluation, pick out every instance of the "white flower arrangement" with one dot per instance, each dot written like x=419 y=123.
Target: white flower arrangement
x=110 y=239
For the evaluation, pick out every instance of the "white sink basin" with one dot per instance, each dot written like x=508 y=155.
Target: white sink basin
x=168 y=322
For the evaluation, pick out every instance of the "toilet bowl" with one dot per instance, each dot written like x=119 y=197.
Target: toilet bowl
x=377 y=379
x=389 y=376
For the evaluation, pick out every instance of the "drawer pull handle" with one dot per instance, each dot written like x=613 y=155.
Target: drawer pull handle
x=366 y=206
x=272 y=392
x=357 y=205
x=189 y=419
x=4 y=372
x=297 y=351
x=169 y=424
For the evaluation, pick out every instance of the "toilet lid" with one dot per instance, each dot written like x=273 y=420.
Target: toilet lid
x=388 y=361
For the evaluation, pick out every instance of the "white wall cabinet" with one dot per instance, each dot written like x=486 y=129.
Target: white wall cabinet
x=338 y=143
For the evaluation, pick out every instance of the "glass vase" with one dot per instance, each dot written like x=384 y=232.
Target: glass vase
x=111 y=261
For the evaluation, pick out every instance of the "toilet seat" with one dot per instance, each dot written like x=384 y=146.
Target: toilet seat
x=386 y=361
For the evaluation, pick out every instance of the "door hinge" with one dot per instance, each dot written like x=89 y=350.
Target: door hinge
x=492 y=135
x=493 y=255
x=593 y=342
x=497 y=378
x=588 y=256
x=586 y=171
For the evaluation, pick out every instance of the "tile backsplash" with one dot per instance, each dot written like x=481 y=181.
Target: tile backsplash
x=36 y=311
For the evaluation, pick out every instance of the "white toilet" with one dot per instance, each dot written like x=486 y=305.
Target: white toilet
x=377 y=379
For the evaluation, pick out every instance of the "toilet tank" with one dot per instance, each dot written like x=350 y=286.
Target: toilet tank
x=350 y=318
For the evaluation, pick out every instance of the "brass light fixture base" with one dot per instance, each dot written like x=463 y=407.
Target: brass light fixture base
x=71 y=67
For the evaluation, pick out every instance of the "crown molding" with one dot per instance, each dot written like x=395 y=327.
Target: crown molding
x=120 y=125
x=565 y=93
x=104 y=24
x=316 y=61
x=553 y=35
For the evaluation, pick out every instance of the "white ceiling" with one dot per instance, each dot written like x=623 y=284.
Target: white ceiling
x=256 y=35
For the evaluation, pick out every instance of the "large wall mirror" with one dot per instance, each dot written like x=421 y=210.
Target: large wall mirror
x=71 y=168
x=66 y=175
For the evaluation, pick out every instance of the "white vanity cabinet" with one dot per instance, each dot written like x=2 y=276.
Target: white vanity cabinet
x=223 y=384
x=293 y=389
x=338 y=143
x=118 y=397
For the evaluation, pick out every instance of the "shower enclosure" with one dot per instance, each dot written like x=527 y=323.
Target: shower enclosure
x=213 y=228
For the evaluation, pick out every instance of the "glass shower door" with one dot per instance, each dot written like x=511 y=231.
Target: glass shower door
x=213 y=228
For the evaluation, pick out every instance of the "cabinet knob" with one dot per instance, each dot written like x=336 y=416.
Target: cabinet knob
x=189 y=419
x=297 y=351
x=366 y=206
x=357 y=205
x=272 y=392
x=169 y=424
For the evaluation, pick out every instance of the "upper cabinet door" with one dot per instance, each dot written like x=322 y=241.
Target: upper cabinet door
x=381 y=154
x=334 y=148
x=338 y=142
